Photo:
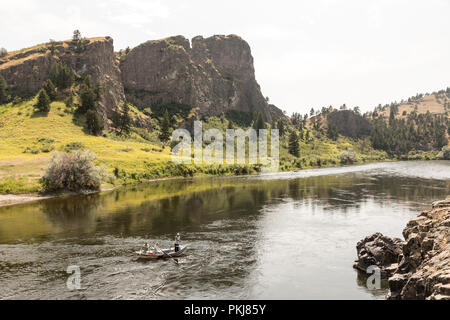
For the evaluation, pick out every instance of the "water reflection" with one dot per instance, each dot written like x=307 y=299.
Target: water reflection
x=279 y=236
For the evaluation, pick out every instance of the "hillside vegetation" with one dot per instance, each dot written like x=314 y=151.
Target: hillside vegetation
x=28 y=138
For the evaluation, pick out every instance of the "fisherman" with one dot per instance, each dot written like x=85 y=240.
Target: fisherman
x=177 y=242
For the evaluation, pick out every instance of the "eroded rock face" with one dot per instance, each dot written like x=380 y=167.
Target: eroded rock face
x=26 y=72
x=381 y=251
x=214 y=76
x=424 y=271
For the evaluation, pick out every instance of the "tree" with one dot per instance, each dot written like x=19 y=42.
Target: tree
x=281 y=127
x=62 y=75
x=76 y=35
x=259 y=123
x=79 y=42
x=122 y=120
x=294 y=146
x=3 y=86
x=88 y=97
x=332 y=132
x=3 y=52
x=43 y=102
x=70 y=100
x=94 y=123
x=165 y=127
x=50 y=89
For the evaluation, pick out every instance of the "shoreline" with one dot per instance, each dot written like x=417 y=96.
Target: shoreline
x=8 y=200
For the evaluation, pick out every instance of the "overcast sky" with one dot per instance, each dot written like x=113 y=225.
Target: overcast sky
x=307 y=53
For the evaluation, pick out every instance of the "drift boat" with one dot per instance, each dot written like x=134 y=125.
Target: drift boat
x=165 y=254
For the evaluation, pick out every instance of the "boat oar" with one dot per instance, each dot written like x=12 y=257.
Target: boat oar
x=175 y=260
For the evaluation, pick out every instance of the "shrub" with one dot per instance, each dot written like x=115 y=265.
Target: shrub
x=3 y=86
x=73 y=146
x=348 y=157
x=73 y=172
x=446 y=153
x=3 y=52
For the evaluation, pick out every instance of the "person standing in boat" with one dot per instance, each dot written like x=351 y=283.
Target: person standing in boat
x=177 y=242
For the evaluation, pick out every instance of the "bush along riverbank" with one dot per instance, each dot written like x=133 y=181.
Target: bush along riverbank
x=417 y=268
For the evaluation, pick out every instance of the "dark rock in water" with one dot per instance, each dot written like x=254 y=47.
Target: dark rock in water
x=381 y=251
x=426 y=261
x=424 y=269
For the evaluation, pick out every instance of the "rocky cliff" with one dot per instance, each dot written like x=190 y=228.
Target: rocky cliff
x=26 y=71
x=212 y=75
x=423 y=267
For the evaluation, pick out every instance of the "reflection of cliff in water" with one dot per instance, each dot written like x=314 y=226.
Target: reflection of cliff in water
x=178 y=206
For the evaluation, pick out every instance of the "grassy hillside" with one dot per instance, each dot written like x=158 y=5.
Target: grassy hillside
x=437 y=103
x=27 y=139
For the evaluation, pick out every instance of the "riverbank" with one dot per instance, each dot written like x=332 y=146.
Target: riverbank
x=417 y=268
x=19 y=198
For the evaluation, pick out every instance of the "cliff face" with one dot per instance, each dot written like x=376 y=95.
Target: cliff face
x=25 y=72
x=214 y=76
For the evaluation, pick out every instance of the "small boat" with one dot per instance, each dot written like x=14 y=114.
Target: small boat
x=165 y=254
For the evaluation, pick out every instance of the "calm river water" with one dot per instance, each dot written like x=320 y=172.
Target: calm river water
x=278 y=236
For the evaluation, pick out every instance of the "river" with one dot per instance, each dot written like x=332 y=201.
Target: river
x=274 y=236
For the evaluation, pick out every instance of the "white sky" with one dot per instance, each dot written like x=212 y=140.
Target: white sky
x=307 y=53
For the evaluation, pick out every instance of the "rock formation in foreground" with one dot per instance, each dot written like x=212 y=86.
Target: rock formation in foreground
x=423 y=270
x=381 y=251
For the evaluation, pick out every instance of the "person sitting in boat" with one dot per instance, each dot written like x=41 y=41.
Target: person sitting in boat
x=177 y=242
x=145 y=247
x=157 y=249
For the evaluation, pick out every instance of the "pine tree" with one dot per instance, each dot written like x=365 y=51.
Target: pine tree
x=332 y=132
x=43 y=102
x=294 y=146
x=165 y=127
x=50 y=89
x=3 y=86
x=89 y=96
x=70 y=100
x=94 y=123
x=259 y=123
x=62 y=75
x=122 y=120
x=281 y=127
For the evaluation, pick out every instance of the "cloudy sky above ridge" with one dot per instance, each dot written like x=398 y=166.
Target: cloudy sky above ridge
x=307 y=53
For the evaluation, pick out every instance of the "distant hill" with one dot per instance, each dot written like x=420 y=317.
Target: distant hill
x=437 y=103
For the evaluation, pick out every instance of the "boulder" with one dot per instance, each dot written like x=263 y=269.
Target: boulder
x=379 y=250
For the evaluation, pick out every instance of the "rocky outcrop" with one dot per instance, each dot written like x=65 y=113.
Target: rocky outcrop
x=26 y=72
x=423 y=271
x=214 y=75
x=350 y=124
x=381 y=251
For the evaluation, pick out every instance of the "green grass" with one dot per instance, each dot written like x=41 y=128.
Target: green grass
x=27 y=140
